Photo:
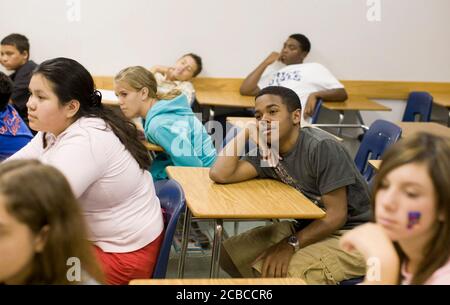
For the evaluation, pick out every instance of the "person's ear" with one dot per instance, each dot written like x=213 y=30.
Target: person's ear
x=41 y=239
x=296 y=116
x=144 y=93
x=26 y=55
x=72 y=108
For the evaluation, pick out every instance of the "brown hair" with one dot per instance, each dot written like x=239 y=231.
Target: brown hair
x=138 y=77
x=198 y=61
x=434 y=153
x=39 y=195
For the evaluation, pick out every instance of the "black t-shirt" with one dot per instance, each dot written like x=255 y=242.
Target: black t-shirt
x=319 y=164
x=21 y=79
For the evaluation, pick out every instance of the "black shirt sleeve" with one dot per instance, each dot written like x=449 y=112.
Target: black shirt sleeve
x=333 y=166
x=22 y=79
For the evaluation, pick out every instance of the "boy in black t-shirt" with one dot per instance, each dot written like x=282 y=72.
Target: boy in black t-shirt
x=315 y=164
x=15 y=56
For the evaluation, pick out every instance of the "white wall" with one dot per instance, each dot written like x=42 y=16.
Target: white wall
x=411 y=42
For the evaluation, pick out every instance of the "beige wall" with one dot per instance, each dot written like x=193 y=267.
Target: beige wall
x=411 y=42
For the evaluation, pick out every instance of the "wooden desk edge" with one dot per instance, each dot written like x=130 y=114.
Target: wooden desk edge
x=229 y=282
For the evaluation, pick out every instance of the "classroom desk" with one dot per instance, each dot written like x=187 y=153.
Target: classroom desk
x=152 y=147
x=252 y=199
x=241 y=121
x=237 y=281
x=224 y=99
x=443 y=99
x=234 y=99
x=353 y=103
x=410 y=128
x=109 y=97
x=375 y=164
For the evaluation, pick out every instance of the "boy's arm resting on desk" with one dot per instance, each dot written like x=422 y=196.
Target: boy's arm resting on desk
x=160 y=69
x=228 y=168
x=250 y=84
x=330 y=95
x=277 y=258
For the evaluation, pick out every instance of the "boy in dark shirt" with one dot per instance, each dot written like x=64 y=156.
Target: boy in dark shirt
x=15 y=56
x=315 y=164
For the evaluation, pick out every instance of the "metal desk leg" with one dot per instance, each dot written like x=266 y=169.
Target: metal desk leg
x=218 y=228
x=341 y=120
x=184 y=242
x=358 y=115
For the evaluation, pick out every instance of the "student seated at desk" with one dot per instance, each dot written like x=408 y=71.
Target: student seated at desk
x=41 y=228
x=179 y=76
x=14 y=134
x=310 y=81
x=105 y=163
x=15 y=56
x=410 y=240
x=314 y=163
x=169 y=123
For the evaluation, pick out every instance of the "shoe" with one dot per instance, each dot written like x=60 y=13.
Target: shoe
x=202 y=240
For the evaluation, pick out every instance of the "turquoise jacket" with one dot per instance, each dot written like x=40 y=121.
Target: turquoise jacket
x=172 y=125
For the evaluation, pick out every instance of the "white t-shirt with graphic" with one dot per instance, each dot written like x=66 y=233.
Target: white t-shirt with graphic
x=304 y=79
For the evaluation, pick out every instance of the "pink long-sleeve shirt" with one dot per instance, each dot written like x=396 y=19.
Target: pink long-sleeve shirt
x=118 y=198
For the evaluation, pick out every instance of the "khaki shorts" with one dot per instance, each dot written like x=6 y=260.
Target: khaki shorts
x=321 y=263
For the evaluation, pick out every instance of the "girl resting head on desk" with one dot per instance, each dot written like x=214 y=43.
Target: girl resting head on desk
x=410 y=241
x=42 y=232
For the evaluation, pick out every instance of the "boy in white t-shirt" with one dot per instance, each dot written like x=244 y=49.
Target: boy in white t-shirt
x=310 y=81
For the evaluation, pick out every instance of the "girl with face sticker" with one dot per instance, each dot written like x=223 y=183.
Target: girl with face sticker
x=410 y=241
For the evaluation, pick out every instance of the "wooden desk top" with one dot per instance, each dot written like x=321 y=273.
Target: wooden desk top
x=224 y=99
x=109 y=97
x=234 y=99
x=152 y=147
x=252 y=199
x=241 y=121
x=375 y=164
x=361 y=103
x=441 y=99
x=237 y=281
x=410 y=128
x=110 y=103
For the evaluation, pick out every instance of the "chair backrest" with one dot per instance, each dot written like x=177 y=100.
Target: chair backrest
x=419 y=103
x=172 y=201
x=315 y=115
x=380 y=136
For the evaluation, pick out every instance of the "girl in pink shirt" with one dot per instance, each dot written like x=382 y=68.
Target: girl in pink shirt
x=105 y=163
x=410 y=241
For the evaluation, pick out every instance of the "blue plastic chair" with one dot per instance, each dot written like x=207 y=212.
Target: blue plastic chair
x=419 y=103
x=172 y=201
x=380 y=136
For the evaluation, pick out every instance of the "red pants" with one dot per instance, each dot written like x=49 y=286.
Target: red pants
x=120 y=268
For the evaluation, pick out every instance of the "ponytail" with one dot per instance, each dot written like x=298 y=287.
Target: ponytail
x=168 y=95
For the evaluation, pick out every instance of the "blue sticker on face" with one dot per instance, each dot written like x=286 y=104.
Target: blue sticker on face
x=413 y=219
